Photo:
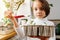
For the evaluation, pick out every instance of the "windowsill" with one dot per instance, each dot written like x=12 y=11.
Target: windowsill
x=58 y=36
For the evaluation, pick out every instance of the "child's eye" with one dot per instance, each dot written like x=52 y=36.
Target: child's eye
x=35 y=8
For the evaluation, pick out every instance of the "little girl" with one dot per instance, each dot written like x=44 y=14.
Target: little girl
x=41 y=10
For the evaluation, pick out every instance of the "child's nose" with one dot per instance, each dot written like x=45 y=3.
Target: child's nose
x=38 y=11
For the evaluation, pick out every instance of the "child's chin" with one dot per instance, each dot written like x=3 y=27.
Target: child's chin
x=39 y=17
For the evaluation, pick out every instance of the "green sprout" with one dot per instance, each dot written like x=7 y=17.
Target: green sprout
x=7 y=4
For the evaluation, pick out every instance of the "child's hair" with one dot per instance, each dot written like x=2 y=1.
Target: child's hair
x=45 y=6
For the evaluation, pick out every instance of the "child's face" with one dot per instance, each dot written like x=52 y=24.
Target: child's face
x=37 y=11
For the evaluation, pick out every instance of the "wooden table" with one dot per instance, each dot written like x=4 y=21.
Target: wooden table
x=7 y=36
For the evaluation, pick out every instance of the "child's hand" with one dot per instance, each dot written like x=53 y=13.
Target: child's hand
x=8 y=14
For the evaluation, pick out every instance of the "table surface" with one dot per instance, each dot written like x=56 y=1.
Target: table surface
x=5 y=37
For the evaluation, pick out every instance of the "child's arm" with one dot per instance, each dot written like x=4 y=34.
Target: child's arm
x=14 y=22
x=18 y=29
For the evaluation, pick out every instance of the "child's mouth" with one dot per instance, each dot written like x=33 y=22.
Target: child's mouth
x=39 y=15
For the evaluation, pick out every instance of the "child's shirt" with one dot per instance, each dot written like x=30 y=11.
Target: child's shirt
x=43 y=22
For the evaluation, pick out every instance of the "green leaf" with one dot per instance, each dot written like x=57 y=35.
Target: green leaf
x=7 y=4
x=32 y=0
x=51 y=5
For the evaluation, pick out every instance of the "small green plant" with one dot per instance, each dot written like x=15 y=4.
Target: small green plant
x=7 y=4
x=19 y=3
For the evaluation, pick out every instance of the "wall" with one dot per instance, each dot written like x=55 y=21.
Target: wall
x=55 y=10
x=2 y=9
